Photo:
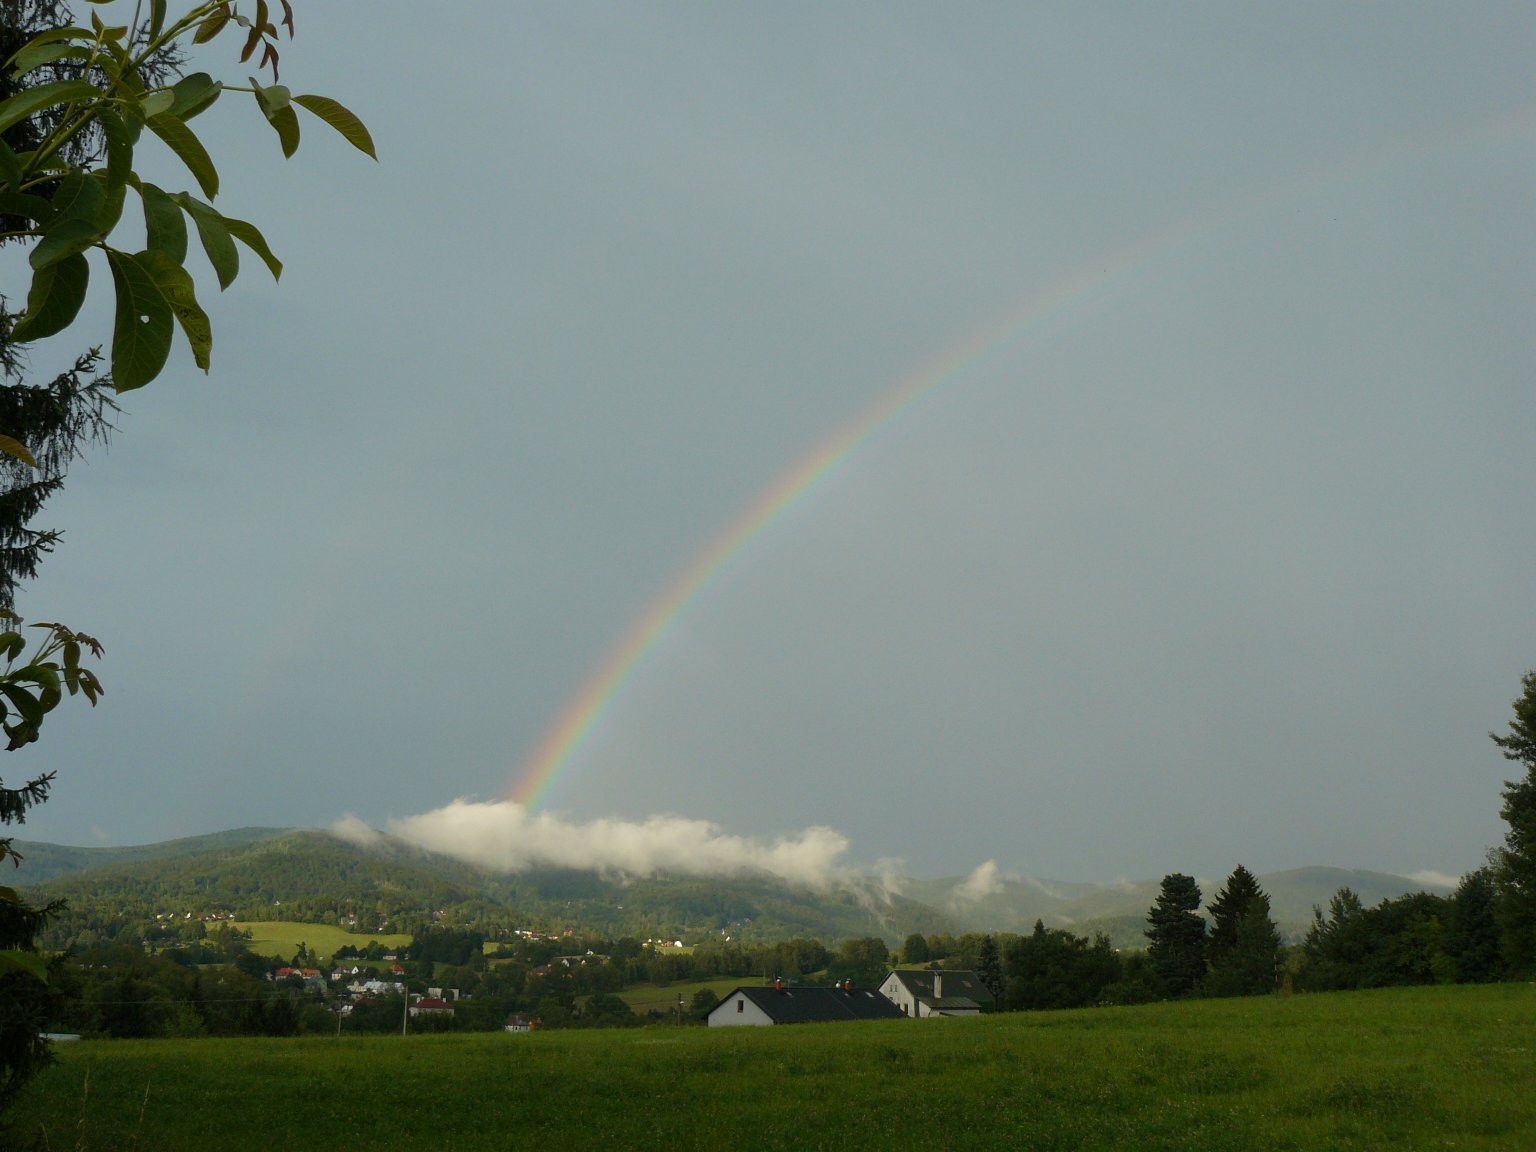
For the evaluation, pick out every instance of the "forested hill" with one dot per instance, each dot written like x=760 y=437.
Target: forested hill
x=46 y=862
x=312 y=876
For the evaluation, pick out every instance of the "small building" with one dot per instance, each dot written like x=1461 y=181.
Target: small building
x=920 y=992
x=431 y=1006
x=780 y=1003
x=518 y=1022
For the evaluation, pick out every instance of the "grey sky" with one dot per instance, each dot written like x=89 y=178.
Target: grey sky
x=1228 y=559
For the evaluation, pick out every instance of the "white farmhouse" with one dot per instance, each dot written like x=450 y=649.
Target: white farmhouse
x=921 y=992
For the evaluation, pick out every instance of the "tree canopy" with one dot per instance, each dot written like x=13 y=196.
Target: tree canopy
x=1176 y=936
x=1515 y=864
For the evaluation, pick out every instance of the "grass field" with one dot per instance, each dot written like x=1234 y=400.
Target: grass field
x=1406 y=1068
x=282 y=938
x=643 y=998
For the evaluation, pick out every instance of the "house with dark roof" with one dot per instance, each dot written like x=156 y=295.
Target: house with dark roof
x=431 y=1006
x=782 y=1004
x=920 y=992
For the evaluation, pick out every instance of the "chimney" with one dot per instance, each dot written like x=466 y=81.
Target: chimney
x=938 y=984
x=778 y=983
x=847 y=985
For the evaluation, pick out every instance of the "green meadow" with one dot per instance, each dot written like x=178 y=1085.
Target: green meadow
x=281 y=938
x=1401 y=1068
x=643 y=998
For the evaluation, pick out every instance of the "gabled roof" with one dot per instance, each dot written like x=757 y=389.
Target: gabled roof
x=961 y=989
x=805 y=1005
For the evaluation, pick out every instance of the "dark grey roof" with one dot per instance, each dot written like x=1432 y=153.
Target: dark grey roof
x=805 y=1005
x=958 y=986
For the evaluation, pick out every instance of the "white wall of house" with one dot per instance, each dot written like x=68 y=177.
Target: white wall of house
x=737 y=1010
x=896 y=992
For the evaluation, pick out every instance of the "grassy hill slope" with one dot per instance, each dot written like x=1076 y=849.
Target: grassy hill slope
x=1398 y=1068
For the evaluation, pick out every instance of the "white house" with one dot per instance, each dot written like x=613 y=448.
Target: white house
x=921 y=992
x=782 y=1004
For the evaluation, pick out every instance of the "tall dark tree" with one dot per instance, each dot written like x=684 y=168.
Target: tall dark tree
x=24 y=998
x=1052 y=968
x=1176 y=936
x=54 y=421
x=914 y=950
x=1335 y=943
x=989 y=967
x=1515 y=868
x=1244 y=945
x=1471 y=936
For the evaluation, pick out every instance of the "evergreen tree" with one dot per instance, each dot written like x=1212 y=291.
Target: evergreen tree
x=1244 y=945
x=1515 y=869
x=1471 y=937
x=24 y=997
x=1176 y=936
x=989 y=967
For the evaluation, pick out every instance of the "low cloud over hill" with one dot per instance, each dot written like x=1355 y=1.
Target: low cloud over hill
x=506 y=837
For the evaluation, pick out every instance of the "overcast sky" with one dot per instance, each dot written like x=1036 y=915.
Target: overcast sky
x=1212 y=543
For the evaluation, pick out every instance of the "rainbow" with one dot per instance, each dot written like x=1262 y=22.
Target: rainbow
x=584 y=712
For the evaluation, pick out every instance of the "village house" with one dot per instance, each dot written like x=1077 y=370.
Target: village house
x=782 y=1004
x=431 y=1006
x=920 y=992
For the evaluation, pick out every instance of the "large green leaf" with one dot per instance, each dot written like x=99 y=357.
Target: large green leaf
x=141 y=334
x=275 y=104
x=251 y=237
x=54 y=300
x=182 y=141
x=78 y=197
x=10 y=168
x=213 y=232
x=211 y=27
x=175 y=284
x=69 y=32
x=341 y=119
x=31 y=101
x=165 y=228
x=194 y=94
x=61 y=239
x=36 y=54
x=111 y=210
x=156 y=102
x=30 y=207
x=119 y=148
x=24 y=702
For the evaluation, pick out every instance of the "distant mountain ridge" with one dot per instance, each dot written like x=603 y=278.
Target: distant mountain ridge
x=309 y=874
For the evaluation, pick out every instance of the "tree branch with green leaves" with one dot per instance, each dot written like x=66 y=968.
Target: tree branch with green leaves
x=72 y=208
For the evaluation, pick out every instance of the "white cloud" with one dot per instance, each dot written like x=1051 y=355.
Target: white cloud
x=354 y=830
x=505 y=836
x=981 y=883
x=1436 y=879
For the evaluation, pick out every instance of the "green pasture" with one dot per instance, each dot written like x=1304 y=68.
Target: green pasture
x=281 y=938
x=643 y=998
x=1404 y=1068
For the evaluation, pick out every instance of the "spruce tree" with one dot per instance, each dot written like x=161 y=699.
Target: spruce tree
x=1176 y=936
x=1244 y=944
x=1515 y=863
x=989 y=967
